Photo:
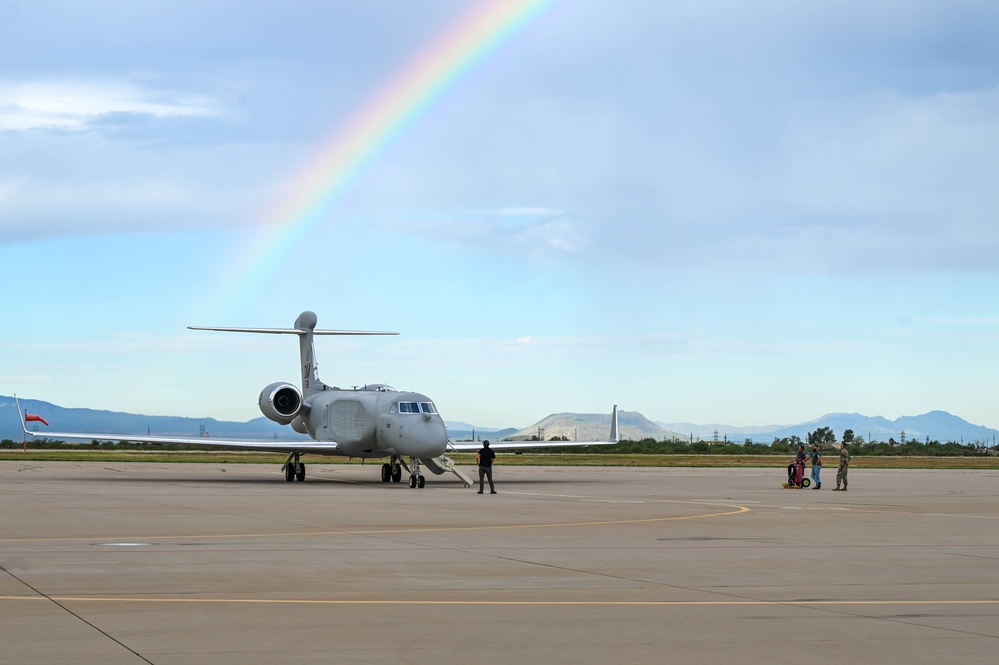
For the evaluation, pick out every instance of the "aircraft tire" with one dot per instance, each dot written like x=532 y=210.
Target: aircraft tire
x=289 y=473
x=421 y=481
x=386 y=473
x=397 y=474
x=300 y=474
x=412 y=482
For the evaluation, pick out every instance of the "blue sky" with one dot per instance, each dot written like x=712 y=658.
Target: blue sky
x=730 y=212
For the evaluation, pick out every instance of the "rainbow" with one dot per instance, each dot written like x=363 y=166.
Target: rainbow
x=355 y=145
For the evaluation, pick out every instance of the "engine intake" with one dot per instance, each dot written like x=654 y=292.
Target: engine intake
x=280 y=402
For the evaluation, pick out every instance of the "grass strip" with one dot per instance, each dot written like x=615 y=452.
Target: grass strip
x=505 y=459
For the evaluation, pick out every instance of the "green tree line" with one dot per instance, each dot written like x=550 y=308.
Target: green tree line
x=824 y=436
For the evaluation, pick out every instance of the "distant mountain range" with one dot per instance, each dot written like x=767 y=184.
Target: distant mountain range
x=935 y=425
x=459 y=431
x=93 y=421
x=593 y=427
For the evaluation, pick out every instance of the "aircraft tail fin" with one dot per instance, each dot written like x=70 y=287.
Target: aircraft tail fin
x=311 y=384
x=614 y=433
x=305 y=328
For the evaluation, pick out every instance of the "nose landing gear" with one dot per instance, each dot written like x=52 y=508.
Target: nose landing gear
x=416 y=479
x=393 y=471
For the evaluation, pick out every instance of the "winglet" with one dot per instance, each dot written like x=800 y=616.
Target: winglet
x=613 y=433
x=20 y=415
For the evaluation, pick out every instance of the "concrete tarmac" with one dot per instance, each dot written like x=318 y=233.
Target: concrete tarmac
x=120 y=563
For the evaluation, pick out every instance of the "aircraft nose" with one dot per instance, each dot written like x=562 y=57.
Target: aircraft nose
x=429 y=439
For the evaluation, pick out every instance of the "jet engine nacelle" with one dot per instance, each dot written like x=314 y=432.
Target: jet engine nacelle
x=280 y=402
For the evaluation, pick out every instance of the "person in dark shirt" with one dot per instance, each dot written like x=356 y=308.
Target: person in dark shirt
x=485 y=459
x=799 y=459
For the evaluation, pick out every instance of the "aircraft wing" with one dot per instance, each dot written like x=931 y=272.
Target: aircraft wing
x=263 y=445
x=474 y=446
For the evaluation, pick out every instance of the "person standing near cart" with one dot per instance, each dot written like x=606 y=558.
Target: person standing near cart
x=792 y=480
x=816 y=466
x=844 y=466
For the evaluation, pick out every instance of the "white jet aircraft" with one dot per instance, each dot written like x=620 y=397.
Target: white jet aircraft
x=375 y=421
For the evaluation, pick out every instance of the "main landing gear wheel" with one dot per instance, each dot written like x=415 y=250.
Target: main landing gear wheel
x=421 y=481
x=412 y=482
x=293 y=468
x=392 y=471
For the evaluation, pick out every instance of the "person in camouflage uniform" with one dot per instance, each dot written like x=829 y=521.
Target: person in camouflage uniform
x=844 y=466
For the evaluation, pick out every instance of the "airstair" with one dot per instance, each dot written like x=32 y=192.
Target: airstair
x=442 y=464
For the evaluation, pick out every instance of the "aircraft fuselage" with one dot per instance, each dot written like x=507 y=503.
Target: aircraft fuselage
x=376 y=422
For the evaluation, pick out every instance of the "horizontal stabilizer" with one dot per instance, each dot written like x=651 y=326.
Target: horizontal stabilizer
x=294 y=331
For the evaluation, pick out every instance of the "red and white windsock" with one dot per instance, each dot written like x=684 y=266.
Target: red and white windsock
x=28 y=417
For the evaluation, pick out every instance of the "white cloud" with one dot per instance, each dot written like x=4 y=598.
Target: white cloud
x=971 y=322
x=55 y=183
x=73 y=105
x=531 y=212
x=547 y=236
x=535 y=232
x=888 y=154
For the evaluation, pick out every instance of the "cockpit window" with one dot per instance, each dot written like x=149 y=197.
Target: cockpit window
x=416 y=407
